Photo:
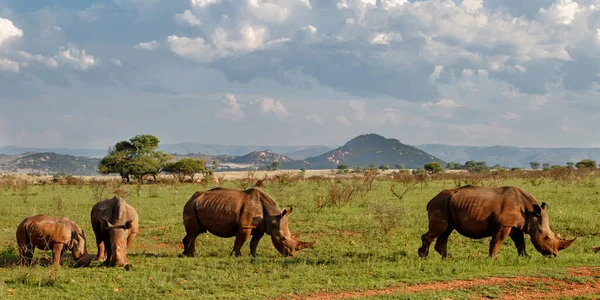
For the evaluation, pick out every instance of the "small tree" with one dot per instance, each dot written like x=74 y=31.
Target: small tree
x=136 y=158
x=570 y=165
x=546 y=166
x=534 y=165
x=274 y=166
x=186 y=167
x=433 y=167
x=343 y=168
x=453 y=166
x=586 y=164
x=400 y=166
x=384 y=167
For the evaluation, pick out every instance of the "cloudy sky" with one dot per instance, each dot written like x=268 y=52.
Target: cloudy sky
x=86 y=74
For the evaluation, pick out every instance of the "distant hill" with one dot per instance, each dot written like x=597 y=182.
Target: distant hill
x=510 y=156
x=49 y=163
x=308 y=152
x=368 y=149
x=13 y=150
x=265 y=157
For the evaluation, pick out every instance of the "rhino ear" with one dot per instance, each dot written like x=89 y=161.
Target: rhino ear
x=128 y=224
x=287 y=212
x=107 y=224
x=537 y=210
x=544 y=206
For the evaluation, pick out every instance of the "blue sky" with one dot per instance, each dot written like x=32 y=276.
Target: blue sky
x=87 y=74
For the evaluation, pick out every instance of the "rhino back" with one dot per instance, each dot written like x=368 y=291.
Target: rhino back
x=223 y=211
x=477 y=211
x=44 y=231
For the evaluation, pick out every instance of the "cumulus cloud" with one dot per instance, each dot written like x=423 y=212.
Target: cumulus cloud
x=271 y=106
x=442 y=103
x=315 y=118
x=76 y=58
x=149 y=45
x=8 y=31
x=231 y=109
x=7 y=65
x=187 y=17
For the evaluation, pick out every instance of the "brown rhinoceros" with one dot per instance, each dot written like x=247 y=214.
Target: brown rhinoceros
x=228 y=213
x=115 y=224
x=480 y=212
x=58 y=234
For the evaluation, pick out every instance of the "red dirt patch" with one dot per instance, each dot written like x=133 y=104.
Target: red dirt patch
x=523 y=287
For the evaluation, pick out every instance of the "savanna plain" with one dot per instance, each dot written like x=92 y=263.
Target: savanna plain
x=367 y=228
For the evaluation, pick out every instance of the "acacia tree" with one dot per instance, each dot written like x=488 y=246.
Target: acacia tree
x=433 y=167
x=534 y=165
x=586 y=164
x=135 y=158
x=187 y=167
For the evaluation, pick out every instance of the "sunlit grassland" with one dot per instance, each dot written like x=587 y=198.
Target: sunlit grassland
x=352 y=250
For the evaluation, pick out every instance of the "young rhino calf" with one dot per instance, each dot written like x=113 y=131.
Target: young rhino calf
x=45 y=233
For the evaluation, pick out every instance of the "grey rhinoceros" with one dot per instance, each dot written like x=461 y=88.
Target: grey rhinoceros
x=234 y=213
x=480 y=212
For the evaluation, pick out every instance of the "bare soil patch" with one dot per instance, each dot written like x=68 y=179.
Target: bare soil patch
x=521 y=287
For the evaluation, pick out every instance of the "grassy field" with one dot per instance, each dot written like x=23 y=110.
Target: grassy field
x=369 y=243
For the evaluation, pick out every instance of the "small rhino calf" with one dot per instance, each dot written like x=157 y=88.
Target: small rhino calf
x=51 y=233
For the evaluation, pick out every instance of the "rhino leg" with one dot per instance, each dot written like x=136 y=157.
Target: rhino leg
x=58 y=250
x=189 y=245
x=519 y=239
x=441 y=244
x=256 y=236
x=240 y=238
x=497 y=239
x=27 y=254
x=438 y=225
x=101 y=249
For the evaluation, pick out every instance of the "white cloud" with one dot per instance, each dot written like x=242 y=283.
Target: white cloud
x=270 y=106
x=562 y=11
x=315 y=118
x=343 y=120
x=187 y=17
x=442 y=103
x=149 y=45
x=7 y=65
x=231 y=109
x=196 y=48
x=511 y=116
x=28 y=58
x=78 y=59
x=202 y=3
x=8 y=31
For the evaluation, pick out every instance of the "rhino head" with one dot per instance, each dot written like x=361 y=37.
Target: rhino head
x=284 y=242
x=118 y=242
x=77 y=246
x=542 y=237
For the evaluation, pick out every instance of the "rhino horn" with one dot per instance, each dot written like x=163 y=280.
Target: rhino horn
x=564 y=243
x=301 y=245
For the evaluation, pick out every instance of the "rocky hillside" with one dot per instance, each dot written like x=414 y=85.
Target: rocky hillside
x=368 y=149
x=261 y=158
x=48 y=163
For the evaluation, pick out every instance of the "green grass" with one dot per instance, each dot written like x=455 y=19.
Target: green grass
x=352 y=252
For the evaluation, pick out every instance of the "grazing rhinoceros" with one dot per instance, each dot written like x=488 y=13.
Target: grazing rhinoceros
x=115 y=225
x=58 y=234
x=228 y=213
x=479 y=212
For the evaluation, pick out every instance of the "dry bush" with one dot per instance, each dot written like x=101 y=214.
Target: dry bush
x=400 y=194
x=98 y=187
x=339 y=193
x=76 y=181
x=369 y=177
x=387 y=216
x=247 y=181
x=59 y=205
x=153 y=191
x=287 y=179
